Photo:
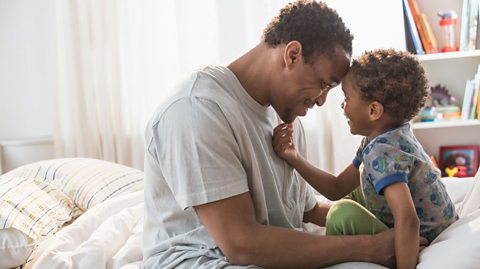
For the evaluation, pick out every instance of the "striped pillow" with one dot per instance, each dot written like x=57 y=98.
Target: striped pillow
x=33 y=207
x=87 y=182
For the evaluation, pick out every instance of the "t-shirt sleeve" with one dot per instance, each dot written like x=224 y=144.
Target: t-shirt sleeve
x=357 y=161
x=197 y=153
x=311 y=199
x=386 y=164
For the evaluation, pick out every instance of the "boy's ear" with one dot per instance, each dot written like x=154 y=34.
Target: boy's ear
x=375 y=110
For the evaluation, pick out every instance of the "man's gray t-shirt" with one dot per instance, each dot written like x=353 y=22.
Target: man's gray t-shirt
x=211 y=141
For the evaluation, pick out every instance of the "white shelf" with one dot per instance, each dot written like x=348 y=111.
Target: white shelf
x=450 y=70
x=445 y=124
x=448 y=55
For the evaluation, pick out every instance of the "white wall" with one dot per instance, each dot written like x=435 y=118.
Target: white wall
x=26 y=68
x=27 y=81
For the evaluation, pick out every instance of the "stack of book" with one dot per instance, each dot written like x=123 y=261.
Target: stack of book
x=471 y=102
x=420 y=37
x=470 y=27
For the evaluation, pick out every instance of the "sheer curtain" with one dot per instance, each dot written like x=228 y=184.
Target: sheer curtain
x=117 y=60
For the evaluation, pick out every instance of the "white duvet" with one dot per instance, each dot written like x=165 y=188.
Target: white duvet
x=110 y=236
x=107 y=236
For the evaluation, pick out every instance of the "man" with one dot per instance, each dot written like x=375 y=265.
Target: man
x=216 y=194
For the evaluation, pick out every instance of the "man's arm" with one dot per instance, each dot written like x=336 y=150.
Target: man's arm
x=244 y=241
x=317 y=215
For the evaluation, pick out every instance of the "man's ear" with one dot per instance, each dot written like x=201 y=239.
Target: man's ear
x=292 y=54
x=375 y=110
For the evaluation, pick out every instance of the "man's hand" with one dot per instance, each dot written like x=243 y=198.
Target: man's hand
x=385 y=247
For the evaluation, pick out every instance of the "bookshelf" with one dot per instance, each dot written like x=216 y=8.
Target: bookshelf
x=445 y=124
x=452 y=70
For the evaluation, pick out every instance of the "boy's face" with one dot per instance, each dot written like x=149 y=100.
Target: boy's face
x=307 y=85
x=356 y=109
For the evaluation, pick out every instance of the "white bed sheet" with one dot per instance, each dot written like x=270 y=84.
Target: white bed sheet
x=110 y=236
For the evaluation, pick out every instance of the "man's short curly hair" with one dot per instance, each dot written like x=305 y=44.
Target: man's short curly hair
x=396 y=79
x=317 y=27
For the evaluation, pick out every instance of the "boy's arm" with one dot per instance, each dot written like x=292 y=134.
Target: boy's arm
x=331 y=186
x=407 y=225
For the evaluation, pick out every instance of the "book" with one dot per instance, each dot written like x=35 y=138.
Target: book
x=469 y=26
x=431 y=39
x=478 y=105
x=464 y=25
x=421 y=30
x=475 y=103
x=472 y=25
x=467 y=99
x=473 y=106
x=408 y=36
x=412 y=29
x=478 y=95
x=478 y=29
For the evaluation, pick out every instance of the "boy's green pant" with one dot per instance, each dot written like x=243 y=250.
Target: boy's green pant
x=350 y=217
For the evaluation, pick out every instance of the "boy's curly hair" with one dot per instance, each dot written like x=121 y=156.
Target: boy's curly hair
x=396 y=79
x=317 y=27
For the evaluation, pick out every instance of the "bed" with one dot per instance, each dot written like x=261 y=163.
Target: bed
x=87 y=213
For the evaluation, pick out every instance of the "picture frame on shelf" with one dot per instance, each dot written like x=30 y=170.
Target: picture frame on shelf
x=459 y=160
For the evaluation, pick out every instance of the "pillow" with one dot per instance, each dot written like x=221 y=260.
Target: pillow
x=30 y=210
x=87 y=182
x=15 y=248
x=33 y=207
x=471 y=202
x=456 y=247
x=457 y=188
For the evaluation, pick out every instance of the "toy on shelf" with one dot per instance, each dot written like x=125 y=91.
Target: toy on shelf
x=440 y=106
x=459 y=160
x=458 y=166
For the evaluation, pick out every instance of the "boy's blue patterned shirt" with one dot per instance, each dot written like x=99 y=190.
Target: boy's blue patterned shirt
x=397 y=156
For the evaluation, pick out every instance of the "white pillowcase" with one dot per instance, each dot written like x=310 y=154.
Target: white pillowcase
x=15 y=248
x=457 y=188
x=456 y=247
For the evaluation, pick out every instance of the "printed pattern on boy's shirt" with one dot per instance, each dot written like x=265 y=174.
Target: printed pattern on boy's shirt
x=396 y=156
